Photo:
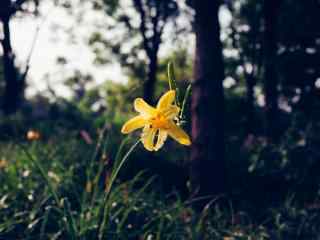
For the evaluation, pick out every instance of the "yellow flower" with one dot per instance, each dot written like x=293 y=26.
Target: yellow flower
x=157 y=122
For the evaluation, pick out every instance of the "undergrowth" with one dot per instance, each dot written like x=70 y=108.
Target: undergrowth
x=55 y=188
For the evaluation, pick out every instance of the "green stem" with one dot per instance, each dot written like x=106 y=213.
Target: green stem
x=171 y=76
x=172 y=82
x=117 y=170
x=112 y=179
x=186 y=95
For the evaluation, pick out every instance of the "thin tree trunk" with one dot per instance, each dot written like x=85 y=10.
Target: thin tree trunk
x=208 y=169
x=13 y=86
x=270 y=72
x=250 y=83
x=149 y=84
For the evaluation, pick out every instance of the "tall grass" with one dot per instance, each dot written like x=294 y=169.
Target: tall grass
x=47 y=192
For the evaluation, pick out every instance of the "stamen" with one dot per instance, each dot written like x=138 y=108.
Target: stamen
x=156 y=137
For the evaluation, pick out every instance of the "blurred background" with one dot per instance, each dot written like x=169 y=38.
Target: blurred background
x=71 y=69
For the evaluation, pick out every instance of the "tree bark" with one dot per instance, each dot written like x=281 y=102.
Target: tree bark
x=149 y=84
x=208 y=168
x=14 y=86
x=270 y=73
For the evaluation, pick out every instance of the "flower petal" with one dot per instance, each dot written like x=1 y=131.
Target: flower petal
x=147 y=138
x=167 y=99
x=143 y=108
x=171 y=112
x=178 y=134
x=133 y=124
x=162 y=136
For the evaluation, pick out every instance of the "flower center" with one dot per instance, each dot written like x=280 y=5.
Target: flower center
x=159 y=121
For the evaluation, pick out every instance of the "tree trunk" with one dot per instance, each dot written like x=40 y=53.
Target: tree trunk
x=208 y=169
x=250 y=121
x=270 y=72
x=149 y=84
x=14 y=87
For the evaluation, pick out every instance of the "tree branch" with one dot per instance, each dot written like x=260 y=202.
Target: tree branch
x=33 y=45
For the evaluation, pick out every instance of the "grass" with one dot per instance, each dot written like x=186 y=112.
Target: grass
x=57 y=188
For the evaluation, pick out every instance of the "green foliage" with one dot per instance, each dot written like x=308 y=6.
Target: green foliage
x=54 y=188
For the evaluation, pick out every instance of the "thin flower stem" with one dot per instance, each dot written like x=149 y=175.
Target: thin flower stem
x=171 y=76
x=117 y=170
x=107 y=194
x=172 y=82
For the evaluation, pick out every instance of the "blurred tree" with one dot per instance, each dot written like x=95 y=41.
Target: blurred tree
x=153 y=17
x=1 y=78
x=271 y=80
x=245 y=37
x=293 y=58
x=208 y=168
x=299 y=55
x=148 y=22
x=14 y=80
